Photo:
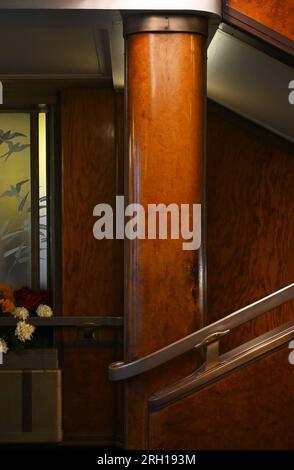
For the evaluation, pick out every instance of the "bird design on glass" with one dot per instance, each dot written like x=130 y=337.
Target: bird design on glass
x=8 y=135
x=14 y=191
x=12 y=148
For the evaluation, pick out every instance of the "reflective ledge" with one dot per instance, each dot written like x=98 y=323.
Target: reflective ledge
x=211 y=7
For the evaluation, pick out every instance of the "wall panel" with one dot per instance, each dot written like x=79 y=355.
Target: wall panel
x=271 y=20
x=250 y=220
x=90 y=267
x=248 y=409
x=92 y=270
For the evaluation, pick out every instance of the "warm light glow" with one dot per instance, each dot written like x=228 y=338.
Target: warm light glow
x=42 y=196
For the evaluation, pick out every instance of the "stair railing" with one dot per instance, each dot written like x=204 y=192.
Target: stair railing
x=209 y=337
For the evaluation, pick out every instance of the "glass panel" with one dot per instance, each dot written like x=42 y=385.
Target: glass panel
x=15 y=200
x=43 y=200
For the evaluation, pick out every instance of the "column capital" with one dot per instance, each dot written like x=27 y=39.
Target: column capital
x=164 y=23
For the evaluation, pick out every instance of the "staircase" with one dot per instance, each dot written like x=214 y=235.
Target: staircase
x=241 y=399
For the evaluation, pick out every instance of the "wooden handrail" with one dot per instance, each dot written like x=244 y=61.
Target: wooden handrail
x=205 y=336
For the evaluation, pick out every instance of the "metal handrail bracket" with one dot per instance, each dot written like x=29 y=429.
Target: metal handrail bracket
x=121 y=370
x=228 y=362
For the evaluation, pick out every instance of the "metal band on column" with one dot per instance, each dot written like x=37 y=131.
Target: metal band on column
x=171 y=23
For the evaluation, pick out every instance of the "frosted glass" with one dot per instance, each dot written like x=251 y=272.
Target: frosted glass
x=15 y=200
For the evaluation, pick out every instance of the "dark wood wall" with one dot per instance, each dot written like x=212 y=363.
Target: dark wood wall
x=249 y=409
x=250 y=252
x=92 y=270
x=272 y=20
x=250 y=242
x=250 y=220
x=90 y=267
x=277 y=15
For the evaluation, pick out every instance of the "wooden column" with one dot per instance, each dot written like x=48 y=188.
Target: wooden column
x=165 y=96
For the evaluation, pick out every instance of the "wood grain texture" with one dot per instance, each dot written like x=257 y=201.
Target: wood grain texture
x=249 y=409
x=119 y=144
x=88 y=396
x=165 y=166
x=165 y=134
x=250 y=221
x=92 y=270
x=139 y=389
x=277 y=15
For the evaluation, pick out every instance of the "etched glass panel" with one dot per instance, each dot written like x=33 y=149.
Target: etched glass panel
x=15 y=200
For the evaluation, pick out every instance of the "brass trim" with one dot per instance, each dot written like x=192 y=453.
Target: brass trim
x=212 y=355
x=214 y=337
x=169 y=23
x=212 y=348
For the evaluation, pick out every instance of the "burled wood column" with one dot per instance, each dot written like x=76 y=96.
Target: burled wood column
x=165 y=96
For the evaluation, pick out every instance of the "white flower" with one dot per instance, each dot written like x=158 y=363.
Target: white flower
x=3 y=346
x=44 y=311
x=24 y=331
x=21 y=313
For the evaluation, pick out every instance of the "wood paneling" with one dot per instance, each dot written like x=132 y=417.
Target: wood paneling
x=165 y=102
x=277 y=15
x=30 y=91
x=250 y=245
x=92 y=270
x=90 y=410
x=249 y=409
x=272 y=20
x=250 y=220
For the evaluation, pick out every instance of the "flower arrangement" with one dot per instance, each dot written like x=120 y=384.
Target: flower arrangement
x=21 y=304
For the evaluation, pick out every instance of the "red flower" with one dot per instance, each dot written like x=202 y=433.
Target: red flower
x=28 y=298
